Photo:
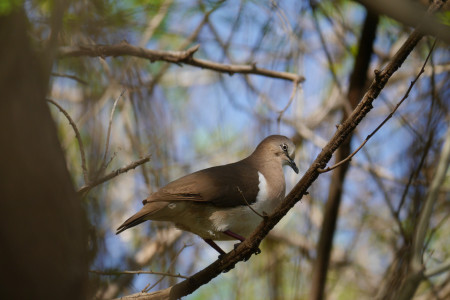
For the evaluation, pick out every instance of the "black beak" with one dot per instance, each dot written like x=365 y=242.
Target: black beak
x=292 y=164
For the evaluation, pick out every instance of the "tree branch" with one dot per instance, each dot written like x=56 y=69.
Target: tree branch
x=113 y=174
x=411 y=85
x=178 y=57
x=444 y=267
x=116 y=273
x=84 y=82
x=104 y=164
x=78 y=137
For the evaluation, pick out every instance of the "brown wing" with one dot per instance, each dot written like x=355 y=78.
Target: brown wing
x=216 y=185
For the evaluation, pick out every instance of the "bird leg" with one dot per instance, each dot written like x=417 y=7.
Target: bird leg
x=234 y=235
x=216 y=247
x=241 y=238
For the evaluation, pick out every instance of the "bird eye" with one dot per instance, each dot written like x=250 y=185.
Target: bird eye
x=284 y=147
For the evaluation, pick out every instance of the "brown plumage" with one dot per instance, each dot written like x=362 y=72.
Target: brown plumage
x=213 y=203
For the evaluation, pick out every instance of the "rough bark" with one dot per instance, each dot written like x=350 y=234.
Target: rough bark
x=42 y=228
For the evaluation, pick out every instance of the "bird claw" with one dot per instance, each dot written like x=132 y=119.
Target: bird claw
x=221 y=256
x=226 y=270
x=258 y=251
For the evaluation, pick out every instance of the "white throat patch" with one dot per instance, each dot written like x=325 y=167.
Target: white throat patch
x=263 y=193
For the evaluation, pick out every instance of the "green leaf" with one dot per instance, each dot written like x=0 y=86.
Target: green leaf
x=7 y=6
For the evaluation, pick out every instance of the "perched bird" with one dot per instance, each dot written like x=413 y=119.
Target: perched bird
x=214 y=203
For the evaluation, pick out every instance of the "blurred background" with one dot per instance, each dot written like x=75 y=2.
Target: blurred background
x=357 y=223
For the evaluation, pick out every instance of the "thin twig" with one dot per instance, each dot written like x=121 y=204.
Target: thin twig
x=110 y=159
x=444 y=267
x=78 y=136
x=73 y=77
x=113 y=273
x=330 y=62
x=242 y=194
x=291 y=99
x=113 y=174
x=154 y=22
x=177 y=57
x=109 y=129
x=147 y=288
x=415 y=173
x=348 y=158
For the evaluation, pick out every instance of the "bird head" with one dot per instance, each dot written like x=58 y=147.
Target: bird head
x=280 y=147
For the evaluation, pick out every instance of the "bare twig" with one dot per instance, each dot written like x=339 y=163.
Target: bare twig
x=178 y=57
x=78 y=136
x=109 y=129
x=331 y=66
x=154 y=22
x=422 y=70
x=291 y=99
x=113 y=174
x=147 y=288
x=415 y=173
x=444 y=267
x=115 y=273
x=246 y=202
x=70 y=77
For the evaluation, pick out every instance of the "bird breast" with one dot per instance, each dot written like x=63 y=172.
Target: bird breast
x=242 y=219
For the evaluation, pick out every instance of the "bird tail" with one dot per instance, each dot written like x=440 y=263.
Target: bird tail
x=134 y=220
x=141 y=216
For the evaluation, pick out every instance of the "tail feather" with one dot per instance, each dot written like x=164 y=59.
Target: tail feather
x=126 y=225
x=141 y=216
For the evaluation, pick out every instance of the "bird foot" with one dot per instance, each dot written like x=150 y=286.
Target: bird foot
x=226 y=270
x=258 y=251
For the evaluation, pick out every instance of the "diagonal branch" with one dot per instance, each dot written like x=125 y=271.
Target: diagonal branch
x=117 y=273
x=88 y=187
x=411 y=85
x=104 y=164
x=177 y=57
x=78 y=136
